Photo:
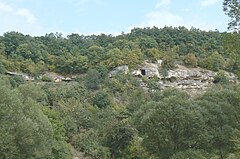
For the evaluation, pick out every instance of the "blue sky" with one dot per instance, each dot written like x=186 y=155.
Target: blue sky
x=38 y=17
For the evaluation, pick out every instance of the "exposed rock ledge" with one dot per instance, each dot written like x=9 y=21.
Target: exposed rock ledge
x=192 y=78
x=180 y=77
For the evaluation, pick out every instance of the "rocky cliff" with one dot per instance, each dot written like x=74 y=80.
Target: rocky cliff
x=181 y=77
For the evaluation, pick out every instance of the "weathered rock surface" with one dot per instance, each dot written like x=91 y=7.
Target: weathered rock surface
x=192 y=78
x=25 y=76
x=119 y=70
x=181 y=77
x=148 y=70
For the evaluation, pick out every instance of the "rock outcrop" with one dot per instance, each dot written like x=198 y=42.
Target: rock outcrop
x=192 y=78
x=148 y=70
x=25 y=76
x=118 y=70
x=180 y=77
x=188 y=78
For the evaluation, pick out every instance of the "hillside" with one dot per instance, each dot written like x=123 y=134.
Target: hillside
x=153 y=93
x=77 y=53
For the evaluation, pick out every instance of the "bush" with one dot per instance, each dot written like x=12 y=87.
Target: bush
x=191 y=154
x=221 y=77
x=169 y=60
x=2 y=68
x=16 y=81
x=214 y=62
x=101 y=99
x=46 y=79
x=118 y=138
x=92 y=79
x=190 y=60
x=88 y=143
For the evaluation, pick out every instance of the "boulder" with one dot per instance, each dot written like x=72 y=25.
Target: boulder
x=118 y=70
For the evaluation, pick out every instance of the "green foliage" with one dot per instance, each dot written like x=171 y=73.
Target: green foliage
x=174 y=124
x=233 y=156
x=222 y=105
x=24 y=51
x=169 y=59
x=114 y=117
x=65 y=92
x=46 y=79
x=92 y=79
x=115 y=85
x=103 y=72
x=2 y=68
x=32 y=91
x=190 y=60
x=136 y=150
x=193 y=154
x=75 y=116
x=137 y=98
x=60 y=149
x=25 y=131
x=88 y=142
x=147 y=42
x=231 y=8
x=17 y=80
x=114 y=58
x=153 y=84
x=231 y=46
x=214 y=62
x=221 y=77
x=101 y=99
x=153 y=54
x=68 y=63
x=118 y=137
x=95 y=54
x=77 y=53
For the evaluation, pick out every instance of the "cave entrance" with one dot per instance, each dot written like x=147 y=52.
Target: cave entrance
x=143 y=72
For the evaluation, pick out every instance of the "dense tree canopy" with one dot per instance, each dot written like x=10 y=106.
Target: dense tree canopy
x=95 y=116
x=76 y=53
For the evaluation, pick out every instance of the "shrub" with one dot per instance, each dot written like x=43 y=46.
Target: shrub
x=190 y=60
x=101 y=99
x=46 y=79
x=221 y=77
x=214 y=62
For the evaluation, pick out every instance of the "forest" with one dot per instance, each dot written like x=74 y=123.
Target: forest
x=97 y=117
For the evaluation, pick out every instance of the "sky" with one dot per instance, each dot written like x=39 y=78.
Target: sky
x=38 y=17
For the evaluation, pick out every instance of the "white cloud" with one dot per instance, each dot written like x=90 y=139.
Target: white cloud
x=207 y=3
x=5 y=8
x=163 y=3
x=22 y=12
x=162 y=18
x=103 y=32
x=18 y=19
x=26 y=14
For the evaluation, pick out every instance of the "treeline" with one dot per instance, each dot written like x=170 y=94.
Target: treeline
x=75 y=54
x=115 y=118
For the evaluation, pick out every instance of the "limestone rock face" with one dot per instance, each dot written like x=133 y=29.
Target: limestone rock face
x=192 y=78
x=119 y=70
x=25 y=76
x=148 y=70
x=181 y=77
x=189 y=78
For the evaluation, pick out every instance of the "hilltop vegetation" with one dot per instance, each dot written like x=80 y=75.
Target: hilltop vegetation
x=98 y=117
x=114 y=117
x=75 y=54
